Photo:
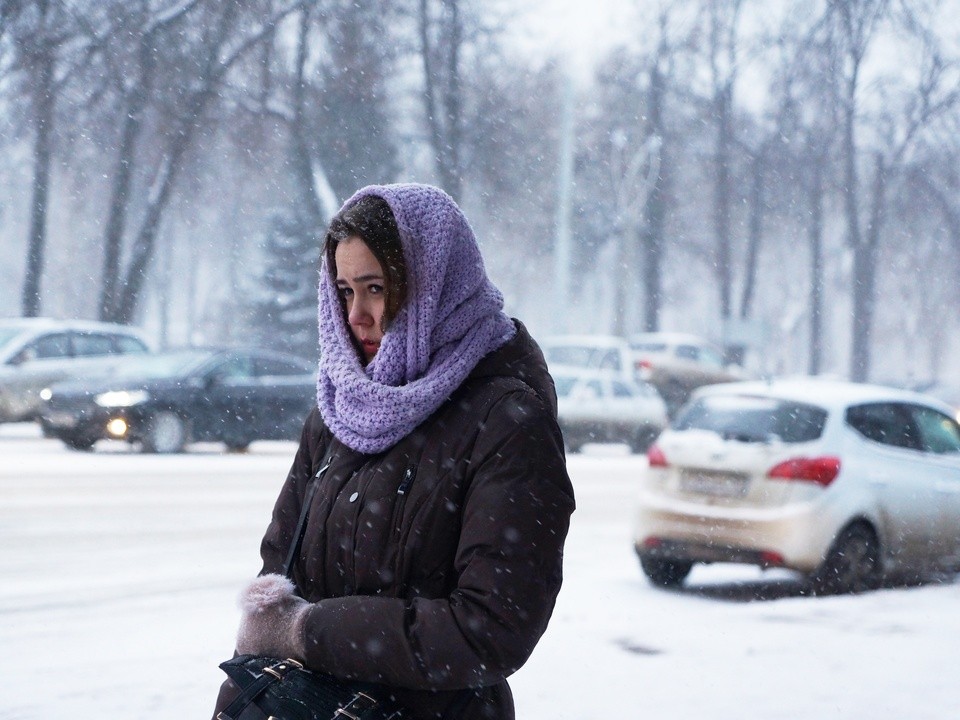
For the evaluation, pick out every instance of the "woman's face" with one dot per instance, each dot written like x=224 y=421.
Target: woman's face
x=362 y=286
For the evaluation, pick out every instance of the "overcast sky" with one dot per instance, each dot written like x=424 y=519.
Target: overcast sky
x=578 y=29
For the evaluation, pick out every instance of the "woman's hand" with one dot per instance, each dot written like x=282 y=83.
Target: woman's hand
x=273 y=618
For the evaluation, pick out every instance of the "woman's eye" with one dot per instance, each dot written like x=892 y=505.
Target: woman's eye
x=345 y=292
x=376 y=289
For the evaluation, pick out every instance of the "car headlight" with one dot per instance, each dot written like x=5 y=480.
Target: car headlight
x=121 y=398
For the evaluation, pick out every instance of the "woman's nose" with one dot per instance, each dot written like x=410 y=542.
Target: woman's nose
x=359 y=314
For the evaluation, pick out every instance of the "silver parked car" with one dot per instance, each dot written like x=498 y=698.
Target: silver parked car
x=843 y=482
x=589 y=352
x=603 y=407
x=37 y=352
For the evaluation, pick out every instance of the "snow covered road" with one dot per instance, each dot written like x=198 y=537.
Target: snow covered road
x=120 y=573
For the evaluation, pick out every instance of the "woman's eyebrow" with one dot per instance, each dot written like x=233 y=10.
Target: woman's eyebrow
x=362 y=278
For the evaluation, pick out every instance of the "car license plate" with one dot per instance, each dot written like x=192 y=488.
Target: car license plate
x=703 y=482
x=61 y=420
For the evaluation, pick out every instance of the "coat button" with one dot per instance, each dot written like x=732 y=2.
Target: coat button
x=353 y=498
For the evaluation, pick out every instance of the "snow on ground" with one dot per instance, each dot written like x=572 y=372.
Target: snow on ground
x=120 y=573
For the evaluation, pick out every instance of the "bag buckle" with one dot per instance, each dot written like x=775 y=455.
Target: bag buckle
x=281 y=668
x=360 y=704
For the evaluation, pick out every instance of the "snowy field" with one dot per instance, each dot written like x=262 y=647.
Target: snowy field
x=120 y=573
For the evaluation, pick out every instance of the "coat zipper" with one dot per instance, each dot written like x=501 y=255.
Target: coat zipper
x=323 y=469
x=408 y=475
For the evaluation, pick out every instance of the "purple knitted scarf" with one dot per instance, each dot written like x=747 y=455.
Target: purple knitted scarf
x=453 y=316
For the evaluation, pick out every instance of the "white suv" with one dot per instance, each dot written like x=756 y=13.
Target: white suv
x=36 y=352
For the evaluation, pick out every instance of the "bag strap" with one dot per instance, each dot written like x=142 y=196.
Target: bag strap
x=305 y=511
x=271 y=674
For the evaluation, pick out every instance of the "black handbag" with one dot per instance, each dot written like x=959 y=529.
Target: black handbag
x=286 y=690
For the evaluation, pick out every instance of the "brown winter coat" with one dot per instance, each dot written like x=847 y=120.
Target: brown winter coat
x=434 y=566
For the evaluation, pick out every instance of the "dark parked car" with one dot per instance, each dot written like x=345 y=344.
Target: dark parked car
x=37 y=352
x=165 y=400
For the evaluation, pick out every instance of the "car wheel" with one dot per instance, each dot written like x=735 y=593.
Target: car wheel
x=166 y=432
x=665 y=573
x=84 y=443
x=571 y=443
x=852 y=565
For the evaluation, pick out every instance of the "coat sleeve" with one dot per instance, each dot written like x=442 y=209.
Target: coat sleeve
x=508 y=562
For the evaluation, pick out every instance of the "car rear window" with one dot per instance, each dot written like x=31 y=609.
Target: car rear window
x=649 y=347
x=753 y=419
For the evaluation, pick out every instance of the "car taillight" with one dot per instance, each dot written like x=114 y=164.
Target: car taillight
x=819 y=470
x=643 y=369
x=771 y=558
x=655 y=457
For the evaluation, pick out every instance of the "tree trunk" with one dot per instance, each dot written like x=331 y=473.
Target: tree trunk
x=453 y=102
x=860 y=328
x=815 y=200
x=124 y=311
x=299 y=153
x=755 y=234
x=865 y=279
x=721 y=195
x=655 y=211
x=655 y=216
x=444 y=132
x=136 y=101
x=44 y=107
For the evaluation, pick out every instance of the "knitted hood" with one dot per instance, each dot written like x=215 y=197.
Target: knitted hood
x=452 y=318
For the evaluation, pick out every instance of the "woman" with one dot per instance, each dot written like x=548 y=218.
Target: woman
x=432 y=555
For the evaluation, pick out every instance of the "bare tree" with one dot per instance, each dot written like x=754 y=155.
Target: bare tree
x=442 y=35
x=652 y=239
x=809 y=92
x=902 y=118
x=221 y=37
x=43 y=39
x=723 y=19
x=136 y=81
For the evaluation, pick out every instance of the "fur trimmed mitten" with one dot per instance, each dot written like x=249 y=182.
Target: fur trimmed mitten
x=273 y=618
